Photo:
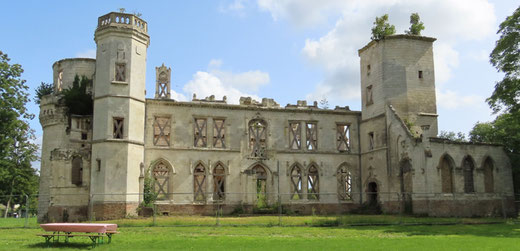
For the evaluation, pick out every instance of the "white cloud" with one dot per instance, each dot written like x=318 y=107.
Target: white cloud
x=91 y=53
x=178 y=96
x=451 y=100
x=224 y=83
x=236 y=6
x=336 y=52
x=481 y=55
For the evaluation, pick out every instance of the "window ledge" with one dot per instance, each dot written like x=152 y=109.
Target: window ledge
x=119 y=82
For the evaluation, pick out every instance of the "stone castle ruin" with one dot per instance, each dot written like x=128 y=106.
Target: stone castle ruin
x=207 y=153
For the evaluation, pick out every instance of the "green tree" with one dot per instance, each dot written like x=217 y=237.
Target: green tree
x=16 y=148
x=457 y=137
x=416 y=26
x=506 y=58
x=382 y=28
x=42 y=90
x=76 y=98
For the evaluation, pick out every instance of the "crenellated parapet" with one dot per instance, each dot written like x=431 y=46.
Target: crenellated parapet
x=51 y=113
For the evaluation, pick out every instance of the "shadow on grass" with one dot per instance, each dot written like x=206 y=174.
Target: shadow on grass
x=482 y=230
x=70 y=245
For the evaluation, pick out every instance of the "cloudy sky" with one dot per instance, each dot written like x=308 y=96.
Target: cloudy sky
x=282 y=49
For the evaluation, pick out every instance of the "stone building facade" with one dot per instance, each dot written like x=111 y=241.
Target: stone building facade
x=206 y=153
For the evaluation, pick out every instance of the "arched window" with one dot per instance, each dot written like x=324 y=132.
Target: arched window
x=296 y=182
x=313 y=183
x=161 y=176
x=76 y=176
x=489 y=184
x=258 y=138
x=261 y=185
x=446 y=167
x=344 y=183
x=219 y=184
x=468 y=166
x=199 y=179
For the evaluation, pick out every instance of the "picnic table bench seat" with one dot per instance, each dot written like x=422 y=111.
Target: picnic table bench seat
x=95 y=231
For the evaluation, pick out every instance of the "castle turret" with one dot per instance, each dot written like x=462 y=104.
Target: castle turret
x=119 y=105
x=399 y=71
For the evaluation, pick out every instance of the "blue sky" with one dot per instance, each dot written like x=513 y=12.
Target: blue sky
x=285 y=49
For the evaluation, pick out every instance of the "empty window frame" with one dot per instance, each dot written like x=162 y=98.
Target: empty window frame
x=368 y=70
x=420 y=74
x=343 y=137
x=161 y=131
x=199 y=179
x=371 y=142
x=296 y=183
x=313 y=183
x=60 y=81
x=311 y=136
x=467 y=167
x=258 y=138
x=344 y=183
x=76 y=177
x=120 y=72
x=219 y=182
x=219 y=133
x=118 y=124
x=369 y=95
x=295 y=135
x=161 y=176
x=489 y=186
x=200 y=132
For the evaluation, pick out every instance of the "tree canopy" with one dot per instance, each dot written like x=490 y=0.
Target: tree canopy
x=76 y=98
x=416 y=26
x=17 y=149
x=506 y=58
x=382 y=28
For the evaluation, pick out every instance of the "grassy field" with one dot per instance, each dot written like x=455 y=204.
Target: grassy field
x=137 y=235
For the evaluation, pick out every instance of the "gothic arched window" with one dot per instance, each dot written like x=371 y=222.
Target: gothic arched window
x=313 y=183
x=219 y=182
x=446 y=167
x=296 y=183
x=199 y=179
x=468 y=166
x=161 y=176
x=344 y=183
x=489 y=184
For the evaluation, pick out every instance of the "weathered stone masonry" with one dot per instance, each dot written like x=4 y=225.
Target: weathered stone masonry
x=206 y=154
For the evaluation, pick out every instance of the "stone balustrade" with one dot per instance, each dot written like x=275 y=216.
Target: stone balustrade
x=122 y=20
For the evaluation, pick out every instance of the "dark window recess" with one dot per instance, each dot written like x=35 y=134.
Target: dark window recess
x=118 y=128
x=83 y=136
x=420 y=74
x=76 y=177
x=370 y=141
x=98 y=162
x=368 y=70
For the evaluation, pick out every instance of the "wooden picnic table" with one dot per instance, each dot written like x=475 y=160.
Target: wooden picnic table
x=95 y=231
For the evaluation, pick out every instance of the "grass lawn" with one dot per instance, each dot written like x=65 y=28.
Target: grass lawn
x=136 y=235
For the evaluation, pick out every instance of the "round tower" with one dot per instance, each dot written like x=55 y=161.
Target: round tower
x=119 y=105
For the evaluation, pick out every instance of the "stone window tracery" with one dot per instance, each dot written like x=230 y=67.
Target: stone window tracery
x=313 y=185
x=200 y=132
x=295 y=135
x=296 y=183
x=311 y=136
x=219 y=182
x=344 y=177
x=219 y=133
x=258 y=138
x=199 y=180
x=343 y=137
x=161 y=131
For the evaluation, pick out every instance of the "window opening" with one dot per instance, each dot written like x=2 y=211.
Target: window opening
x=258 y=138
x=371 y=142
x=77 y=171
x=199 y=178
x=312 y=136
x=343 y=137
x=161 y=176
x=296 y=183
x=344 y=183
x=369 y=95
x=261 y=186
x=200 y=139
x=121 y=72
x=219 y=176
x=295 y=135
x=219 y=133
x=118 y=128
x=161 y=131
x=468 y=168
x=313 y=183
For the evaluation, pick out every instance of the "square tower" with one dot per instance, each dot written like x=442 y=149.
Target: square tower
x=398 y=70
